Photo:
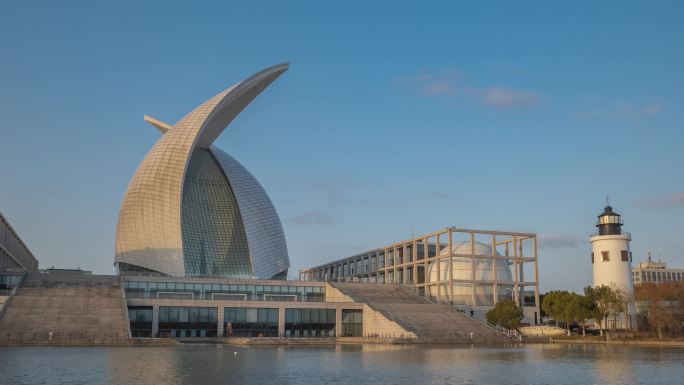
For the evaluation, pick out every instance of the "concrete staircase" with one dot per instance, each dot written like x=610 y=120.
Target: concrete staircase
x=431 y=322
x=73 y=306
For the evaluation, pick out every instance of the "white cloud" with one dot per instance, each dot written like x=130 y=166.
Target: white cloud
x=452 y=84
x=556 y=241
x=441 y=195
x=505 y=97
x=663 y=201
x=619 y=109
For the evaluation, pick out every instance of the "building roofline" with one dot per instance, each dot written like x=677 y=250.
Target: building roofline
x=16 y=235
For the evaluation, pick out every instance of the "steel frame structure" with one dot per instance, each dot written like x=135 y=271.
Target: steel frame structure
x=408 y=262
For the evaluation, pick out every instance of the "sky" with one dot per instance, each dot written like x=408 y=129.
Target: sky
x=394 y=118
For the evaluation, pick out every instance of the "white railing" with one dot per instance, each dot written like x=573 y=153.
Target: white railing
x=512 y=333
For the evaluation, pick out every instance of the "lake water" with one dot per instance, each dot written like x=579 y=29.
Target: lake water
x=343 y=364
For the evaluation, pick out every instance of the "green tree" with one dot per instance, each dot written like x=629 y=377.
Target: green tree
x=608 y=301
x=557 y=305
x=506 y=313
x=581 y=308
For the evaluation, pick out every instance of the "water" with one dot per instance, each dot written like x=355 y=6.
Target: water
x=343 y=364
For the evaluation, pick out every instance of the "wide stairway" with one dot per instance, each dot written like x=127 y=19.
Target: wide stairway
x=73 y=306
x=429 y=321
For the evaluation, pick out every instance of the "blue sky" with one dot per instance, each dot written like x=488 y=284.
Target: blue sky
x=497 y=115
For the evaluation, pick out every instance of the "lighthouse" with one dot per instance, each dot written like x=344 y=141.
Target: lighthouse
x=611 y=259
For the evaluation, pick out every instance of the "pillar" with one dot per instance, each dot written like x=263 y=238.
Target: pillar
x=338 y=322
x=516 y=293
x=219 y=321
x=281 y=321
x=155 y=320
x=495 y=287
x=473 y=285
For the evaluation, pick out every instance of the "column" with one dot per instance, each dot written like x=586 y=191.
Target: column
x=438 y=261
x=450 y=266
x=494 y=262
x=338 y=322
x=516 y=294
x=281 y=321
x=472 y=269
x=536 y=276
x=219 y=321
x=155 y=320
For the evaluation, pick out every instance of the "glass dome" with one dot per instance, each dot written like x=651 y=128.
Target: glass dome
x=462 y=270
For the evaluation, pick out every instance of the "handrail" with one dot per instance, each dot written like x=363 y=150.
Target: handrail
x=622 y=233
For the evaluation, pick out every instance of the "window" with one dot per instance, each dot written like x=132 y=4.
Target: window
x=250 y=322
x=140 y=318
x=625 y=255
x=592 y=257
x=604 y=256
x=352 y=323
x=177 y=321
x=309 y=322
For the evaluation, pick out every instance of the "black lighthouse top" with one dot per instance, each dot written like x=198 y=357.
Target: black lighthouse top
x=609 y=222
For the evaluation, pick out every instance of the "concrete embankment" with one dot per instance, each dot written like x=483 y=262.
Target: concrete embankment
x=674 y=344
x=242 y=341
x=81 y=342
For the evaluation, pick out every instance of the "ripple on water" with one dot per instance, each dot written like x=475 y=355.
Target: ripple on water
x=344 y=364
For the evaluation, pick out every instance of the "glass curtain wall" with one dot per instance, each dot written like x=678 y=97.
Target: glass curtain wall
x=180 y=321
x=352 y=323
x=309 y=322
x=250 y=322
x=140 y=318
x=230 y=292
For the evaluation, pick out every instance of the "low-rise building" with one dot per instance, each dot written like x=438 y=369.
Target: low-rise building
x=655 y=272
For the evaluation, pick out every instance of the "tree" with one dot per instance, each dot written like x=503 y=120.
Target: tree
x=506 y=313
x=581 y=308
x=597 y=296
x=556 y=304
x=608 y=301
x=651 y=294
x=617 y=303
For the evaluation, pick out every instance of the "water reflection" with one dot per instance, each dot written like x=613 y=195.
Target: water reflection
x=343 y=364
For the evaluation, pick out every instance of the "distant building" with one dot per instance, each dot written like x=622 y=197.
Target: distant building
x=655 y=272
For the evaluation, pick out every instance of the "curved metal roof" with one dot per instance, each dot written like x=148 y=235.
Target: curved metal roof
x=148 y=232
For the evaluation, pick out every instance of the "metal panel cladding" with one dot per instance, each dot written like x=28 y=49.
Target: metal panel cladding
x=150 y=234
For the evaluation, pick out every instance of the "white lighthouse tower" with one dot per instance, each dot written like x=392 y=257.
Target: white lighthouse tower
x=612 y=260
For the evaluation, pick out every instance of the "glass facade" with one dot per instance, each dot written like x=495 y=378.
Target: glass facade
x=140 y=318
x=267 y=245
x=250 y=322
x=309 y=322
x=183 y=213
x=8 y=283
x=352 y=323
x=215 y=291
x=214 y=239
x=14 y=255
x=181 y=321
